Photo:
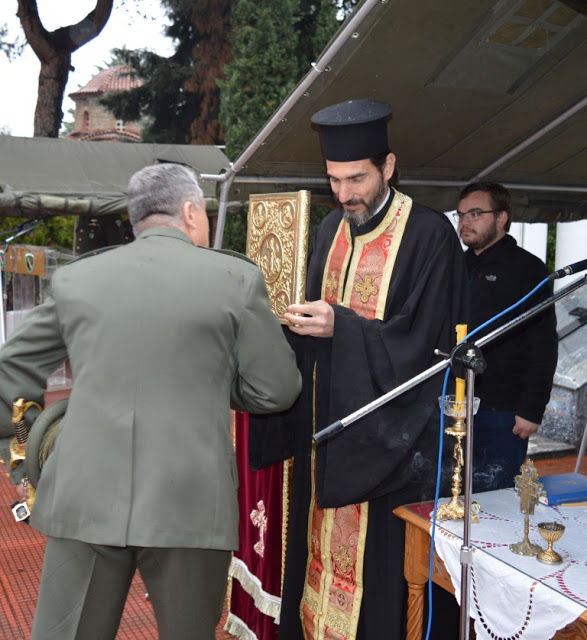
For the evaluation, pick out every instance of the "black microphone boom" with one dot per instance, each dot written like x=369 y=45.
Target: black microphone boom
x=569 y=270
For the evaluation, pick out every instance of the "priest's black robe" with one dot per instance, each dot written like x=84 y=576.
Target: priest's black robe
x=388 y=457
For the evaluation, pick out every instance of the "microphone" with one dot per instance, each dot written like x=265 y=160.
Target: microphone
x=569 y=270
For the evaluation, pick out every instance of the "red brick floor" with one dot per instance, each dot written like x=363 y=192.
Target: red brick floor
x=21 y=556
x=21 y=559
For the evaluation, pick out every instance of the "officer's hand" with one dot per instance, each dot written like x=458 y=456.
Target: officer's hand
x=21 y=491
x=524 y=428
x=315 y=319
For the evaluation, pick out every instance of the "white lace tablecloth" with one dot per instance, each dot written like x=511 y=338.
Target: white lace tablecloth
x=514 y=596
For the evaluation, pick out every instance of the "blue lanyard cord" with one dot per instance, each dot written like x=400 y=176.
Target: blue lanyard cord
x=436 y=496
x=439 y=463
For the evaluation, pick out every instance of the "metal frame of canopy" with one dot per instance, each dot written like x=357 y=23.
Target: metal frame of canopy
x=349 y=33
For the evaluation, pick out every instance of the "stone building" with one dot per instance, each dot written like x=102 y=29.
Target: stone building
x=92 y=120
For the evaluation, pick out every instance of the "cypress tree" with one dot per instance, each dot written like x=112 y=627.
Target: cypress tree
x=273 y=45
x=264 y=67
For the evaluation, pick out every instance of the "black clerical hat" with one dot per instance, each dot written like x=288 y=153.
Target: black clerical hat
x=353 y=130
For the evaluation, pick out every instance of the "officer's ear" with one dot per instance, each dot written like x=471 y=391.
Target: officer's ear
x=196 y=224
x=189 y=214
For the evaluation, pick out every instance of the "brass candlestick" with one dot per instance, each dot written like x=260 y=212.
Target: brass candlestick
x=457 y=410
x=529 y=490
x=551 y=532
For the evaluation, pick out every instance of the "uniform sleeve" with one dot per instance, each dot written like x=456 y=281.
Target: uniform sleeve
x=267 y=378
x=31 y=354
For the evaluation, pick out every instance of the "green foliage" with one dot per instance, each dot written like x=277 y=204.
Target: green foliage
x=551 y=246
x=179 y=97
x=316 y=26
x=273 y=45
x=67 y=126
x=317 y=214
x=10 y=48
x=56 y=232
x=168 y=119
x=263 y=71
x=235 y=232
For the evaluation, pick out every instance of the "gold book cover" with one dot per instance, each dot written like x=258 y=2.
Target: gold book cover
x=277 y=240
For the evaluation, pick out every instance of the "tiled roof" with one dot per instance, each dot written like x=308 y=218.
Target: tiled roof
x=111 y=79
x=104 y=134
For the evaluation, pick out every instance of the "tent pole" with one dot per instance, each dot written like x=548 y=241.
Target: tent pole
x=317 y=68
x=222 y=206
x=531 y=139
x=2 y=323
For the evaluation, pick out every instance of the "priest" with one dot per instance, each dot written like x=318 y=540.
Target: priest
x=386 y=286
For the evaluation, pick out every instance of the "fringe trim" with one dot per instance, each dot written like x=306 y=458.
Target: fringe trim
x=265 y=602
x=236 y=627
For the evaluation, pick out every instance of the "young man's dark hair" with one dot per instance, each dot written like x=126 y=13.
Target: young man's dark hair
x=501 y=200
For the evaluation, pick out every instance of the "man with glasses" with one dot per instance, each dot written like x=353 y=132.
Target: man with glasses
x=515 y=388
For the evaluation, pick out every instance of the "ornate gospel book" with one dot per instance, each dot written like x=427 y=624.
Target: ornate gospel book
x=277 y=240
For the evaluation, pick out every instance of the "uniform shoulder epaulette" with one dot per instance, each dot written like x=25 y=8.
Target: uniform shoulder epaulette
x=236 y=254
x=94 y=252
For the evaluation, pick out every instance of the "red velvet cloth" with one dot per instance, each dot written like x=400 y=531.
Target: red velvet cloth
x=257 y=565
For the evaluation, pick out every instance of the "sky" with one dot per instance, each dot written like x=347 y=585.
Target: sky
x=124 y=28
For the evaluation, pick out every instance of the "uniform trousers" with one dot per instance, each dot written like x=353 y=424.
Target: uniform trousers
x=84 y=588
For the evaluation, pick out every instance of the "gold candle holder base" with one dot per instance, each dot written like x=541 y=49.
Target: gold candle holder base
x=456 y=409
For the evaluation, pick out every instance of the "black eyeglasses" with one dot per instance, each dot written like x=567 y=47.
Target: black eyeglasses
x=475 y=214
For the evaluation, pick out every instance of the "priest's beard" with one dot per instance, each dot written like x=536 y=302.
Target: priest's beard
x=371 y=206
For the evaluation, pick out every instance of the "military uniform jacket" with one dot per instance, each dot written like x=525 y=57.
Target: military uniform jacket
x=161 y=337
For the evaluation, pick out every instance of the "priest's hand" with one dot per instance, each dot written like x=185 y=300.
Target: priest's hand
x=311 y=319
x=524 y=428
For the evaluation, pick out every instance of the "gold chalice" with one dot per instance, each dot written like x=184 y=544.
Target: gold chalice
x=551 y=532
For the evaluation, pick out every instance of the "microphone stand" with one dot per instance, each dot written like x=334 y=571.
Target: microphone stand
x=343 y=423
x=466 y=356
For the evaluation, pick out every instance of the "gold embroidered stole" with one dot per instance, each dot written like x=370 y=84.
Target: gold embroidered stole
x=359 y=279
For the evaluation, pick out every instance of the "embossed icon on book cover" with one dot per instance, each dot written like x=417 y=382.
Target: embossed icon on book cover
x=277 y=240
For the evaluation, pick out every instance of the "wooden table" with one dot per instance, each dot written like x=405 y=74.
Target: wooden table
x=416 y=568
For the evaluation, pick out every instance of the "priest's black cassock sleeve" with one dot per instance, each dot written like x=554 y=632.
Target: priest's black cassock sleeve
x=389 y=456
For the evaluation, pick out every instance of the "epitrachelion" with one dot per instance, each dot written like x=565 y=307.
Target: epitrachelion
x=277 y=240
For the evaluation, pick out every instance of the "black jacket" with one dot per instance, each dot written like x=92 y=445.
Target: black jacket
x=520 y=363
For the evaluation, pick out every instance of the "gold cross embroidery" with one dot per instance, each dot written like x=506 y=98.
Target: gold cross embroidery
x=332 y=284
x=259 y=519
x=342 y=559
x=366 y=289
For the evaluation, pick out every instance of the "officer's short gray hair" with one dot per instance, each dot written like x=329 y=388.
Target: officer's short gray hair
x=162 y=190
